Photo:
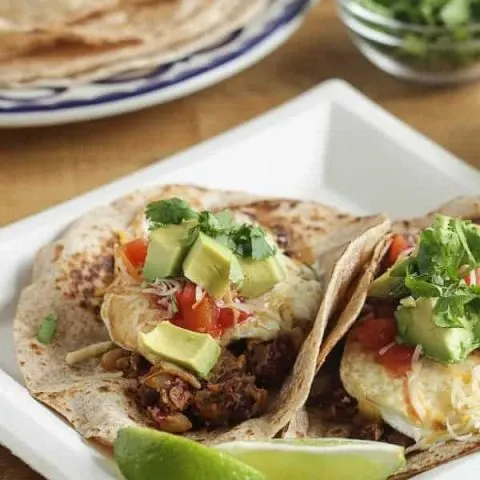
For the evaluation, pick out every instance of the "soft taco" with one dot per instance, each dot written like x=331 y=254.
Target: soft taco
x=402 y=362
x=194 y=311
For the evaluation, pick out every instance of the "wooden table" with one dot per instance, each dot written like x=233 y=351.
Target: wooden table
x=44 y=166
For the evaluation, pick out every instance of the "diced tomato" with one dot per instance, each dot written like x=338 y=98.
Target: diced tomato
x=136 y=252
x=376 y=333
x=468 y=280
x=132 y=271
x=397 y=359
x=199 y=317
x=203 y=316
x=399 y=245
x=226 y=317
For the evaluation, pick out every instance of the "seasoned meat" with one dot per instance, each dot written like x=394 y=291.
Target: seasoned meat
x=368 y=431
x=228 y=366
x=132 y=365
x=230 y=396
x=271 y=362
x=235 y=399
x=146 y=396
x=174 y=394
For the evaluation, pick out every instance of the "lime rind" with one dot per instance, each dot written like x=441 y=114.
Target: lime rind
x=147 y=454
x=338 y=459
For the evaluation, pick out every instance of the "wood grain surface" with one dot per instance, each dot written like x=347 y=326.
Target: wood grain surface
x=44 y=166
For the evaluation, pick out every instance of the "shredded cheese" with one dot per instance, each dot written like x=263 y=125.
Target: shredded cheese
x=416 y=355
x=386 y=348
x=86 y=353
x=199 y=295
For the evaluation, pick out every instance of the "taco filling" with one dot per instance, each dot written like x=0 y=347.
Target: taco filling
x=410 y=368
x=207 y=315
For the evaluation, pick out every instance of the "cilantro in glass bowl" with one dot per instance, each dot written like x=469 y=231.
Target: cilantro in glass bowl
x=431 y=41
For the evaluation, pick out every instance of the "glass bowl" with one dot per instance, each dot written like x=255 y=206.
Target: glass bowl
x=427 y=54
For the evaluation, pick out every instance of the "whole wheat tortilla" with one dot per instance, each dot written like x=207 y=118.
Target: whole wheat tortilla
x=421 y=461
x=119 y=27
x=31 y=15
x=461 y=207
x=162 y=42
x=68 y=273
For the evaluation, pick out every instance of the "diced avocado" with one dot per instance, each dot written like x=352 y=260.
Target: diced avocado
x=261 y=275
x=390 y=283
x=384 y=285
x=197 y=352
x=166 y=251
x=212 y=266
x=416 y=326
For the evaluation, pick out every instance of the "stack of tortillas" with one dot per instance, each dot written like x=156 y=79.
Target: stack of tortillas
x=76 y=40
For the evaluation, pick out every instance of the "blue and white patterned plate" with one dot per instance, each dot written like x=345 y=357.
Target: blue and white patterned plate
x=54 y=104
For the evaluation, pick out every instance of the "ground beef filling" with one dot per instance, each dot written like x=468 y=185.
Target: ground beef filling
x=234 y=392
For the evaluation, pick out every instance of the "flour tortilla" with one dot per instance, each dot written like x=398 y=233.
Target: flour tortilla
x=462 y=207
x=67 y=274
x=24 y=15
x=417 y=462
x=162 y=41
x=123 y=26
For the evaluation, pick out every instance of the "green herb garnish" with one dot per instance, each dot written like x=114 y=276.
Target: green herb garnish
x=250 y=241
x=451 y=13
x=245 y=240
x=47 y=329
x=443 y=39
x=167 y=212
x=447 y=252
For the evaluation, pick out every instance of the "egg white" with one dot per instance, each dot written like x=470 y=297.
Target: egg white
x=433 y=402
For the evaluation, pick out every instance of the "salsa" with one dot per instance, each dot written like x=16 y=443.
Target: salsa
x=378 y=335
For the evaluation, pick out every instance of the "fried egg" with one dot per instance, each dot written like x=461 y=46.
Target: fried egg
x=127 y=308
x=433 y=402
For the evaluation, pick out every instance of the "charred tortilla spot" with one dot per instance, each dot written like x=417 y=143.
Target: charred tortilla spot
x=282 y=235
x=57 y=252
x=84 y=274
x=36 y=349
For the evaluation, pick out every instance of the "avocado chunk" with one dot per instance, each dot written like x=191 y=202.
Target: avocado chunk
x=166 y=251
x=416 y=326
x=212 y=266
x=261 y=275
x=385 y=285
x=197 y=352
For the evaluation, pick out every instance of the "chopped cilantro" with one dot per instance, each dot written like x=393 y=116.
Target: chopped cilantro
x=245 y=240
x=250 y=241
x=441 y=35
x=47 y=329
x=168 y=212
x=447 y=252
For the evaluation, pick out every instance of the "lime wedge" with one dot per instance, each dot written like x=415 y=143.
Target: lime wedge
x=147 y=454
x=336 y=459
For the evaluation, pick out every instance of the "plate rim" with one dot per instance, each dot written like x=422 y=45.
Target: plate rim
x=152 y=96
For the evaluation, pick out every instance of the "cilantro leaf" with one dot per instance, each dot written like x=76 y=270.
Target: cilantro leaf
x=250 y=241
x=446 y=252
x=167 y=212
x=47 y=329
x=216 y=226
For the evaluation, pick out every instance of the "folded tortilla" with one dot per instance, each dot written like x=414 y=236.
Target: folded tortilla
x=70 y=275
x=133 y=37
x=317 y=425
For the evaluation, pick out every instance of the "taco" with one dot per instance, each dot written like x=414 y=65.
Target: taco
x=194 y=311
x=408 y=370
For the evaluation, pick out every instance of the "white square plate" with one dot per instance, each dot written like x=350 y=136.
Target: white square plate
x=330 y=144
